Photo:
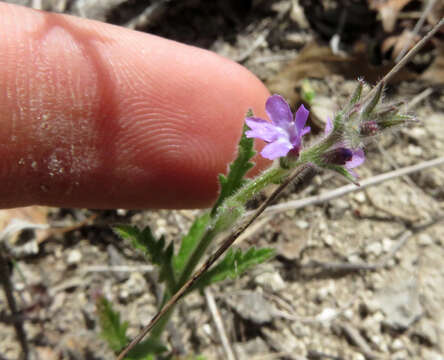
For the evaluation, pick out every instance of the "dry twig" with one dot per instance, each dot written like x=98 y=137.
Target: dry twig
x=215 y=314
x=350 y=188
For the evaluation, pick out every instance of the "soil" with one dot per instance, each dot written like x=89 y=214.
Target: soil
x=357 y=277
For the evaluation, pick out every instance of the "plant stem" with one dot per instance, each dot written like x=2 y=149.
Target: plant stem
x=251 y=189
x=302 y=173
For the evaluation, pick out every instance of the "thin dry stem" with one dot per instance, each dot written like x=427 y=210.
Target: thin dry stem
x=413 y=51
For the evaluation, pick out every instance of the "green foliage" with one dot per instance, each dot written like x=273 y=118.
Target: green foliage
x=113 y=331
x=234 y=264
x=189 y=243
x=344 y=172
x=154 y=249
x=146 y=350
x=308 y=93
x=238 y=168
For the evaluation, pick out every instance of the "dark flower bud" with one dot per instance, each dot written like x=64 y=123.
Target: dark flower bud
x=338 y=156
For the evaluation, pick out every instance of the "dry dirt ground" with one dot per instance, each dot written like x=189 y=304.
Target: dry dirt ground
x=357 y=277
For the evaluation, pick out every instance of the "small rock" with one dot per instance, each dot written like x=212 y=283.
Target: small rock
x=246 y=350
x=400 y=304
x=74 y=257
x=272 y=281
x=251 y=306
x=358 y=356
x=121 y=212
x=374 y=248
x=425 y=240
x=337 y=208
x=348 y=314
x=414 y=150
x=133 y=287
x=387 y=244
x=328 y=240
x=324 y=291
x=426 y=330
x=302 y=224
x=327 y=314
x=360 y=197
x=396 y=345
x=418 y=133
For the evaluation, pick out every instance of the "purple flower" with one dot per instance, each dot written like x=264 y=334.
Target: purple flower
x=341 y=155
x=283 y=134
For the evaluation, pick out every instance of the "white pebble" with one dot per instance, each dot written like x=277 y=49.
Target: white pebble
x=74 y=257
x=302 y=224
x=396 y=345
x=360 y=197
x=328 y=240
x=414 y=150
x=374 y=248
x=425 y=240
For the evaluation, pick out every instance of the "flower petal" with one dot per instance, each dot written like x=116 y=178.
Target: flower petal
x=262 y=129
x=305 y=130
x=276 y=149
x=328 y=126
x=353 y=173
x=357 y=159
x=278 y=111
x=300 y=118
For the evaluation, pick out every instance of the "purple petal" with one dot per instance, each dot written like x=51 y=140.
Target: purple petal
x=276 y=149
x=278 y=111
x=262 y=129
x=305 y=130
x=300 y=118
x=328 y=126
x=353 y=173
x=357 y=159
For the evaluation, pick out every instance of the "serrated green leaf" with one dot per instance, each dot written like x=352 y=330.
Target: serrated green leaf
x=238 y=168
x=146 y=350
x=153 y=248
x=234 y=264
x=189 y=242
x=113 y=331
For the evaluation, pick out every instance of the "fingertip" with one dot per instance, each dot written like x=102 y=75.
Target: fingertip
x=106 y=117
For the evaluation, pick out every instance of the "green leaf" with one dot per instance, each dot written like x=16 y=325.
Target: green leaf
x=238 y=168
x=113 y=331
x=146 y=349
x=308 y=93
x=189 y=242
x=234 y=264
x=344 y=172
x=153 y=248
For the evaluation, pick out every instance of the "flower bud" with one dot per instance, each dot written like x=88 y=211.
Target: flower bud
x=337 y=156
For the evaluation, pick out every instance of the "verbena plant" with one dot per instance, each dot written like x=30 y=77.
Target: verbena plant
x=339 y=149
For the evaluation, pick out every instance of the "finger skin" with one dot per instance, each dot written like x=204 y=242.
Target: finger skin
x=94 y=115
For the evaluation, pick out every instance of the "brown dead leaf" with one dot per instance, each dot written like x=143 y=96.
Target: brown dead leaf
x=37 y=215
x=315 y=61
x=388 y=11
x=406 y=40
